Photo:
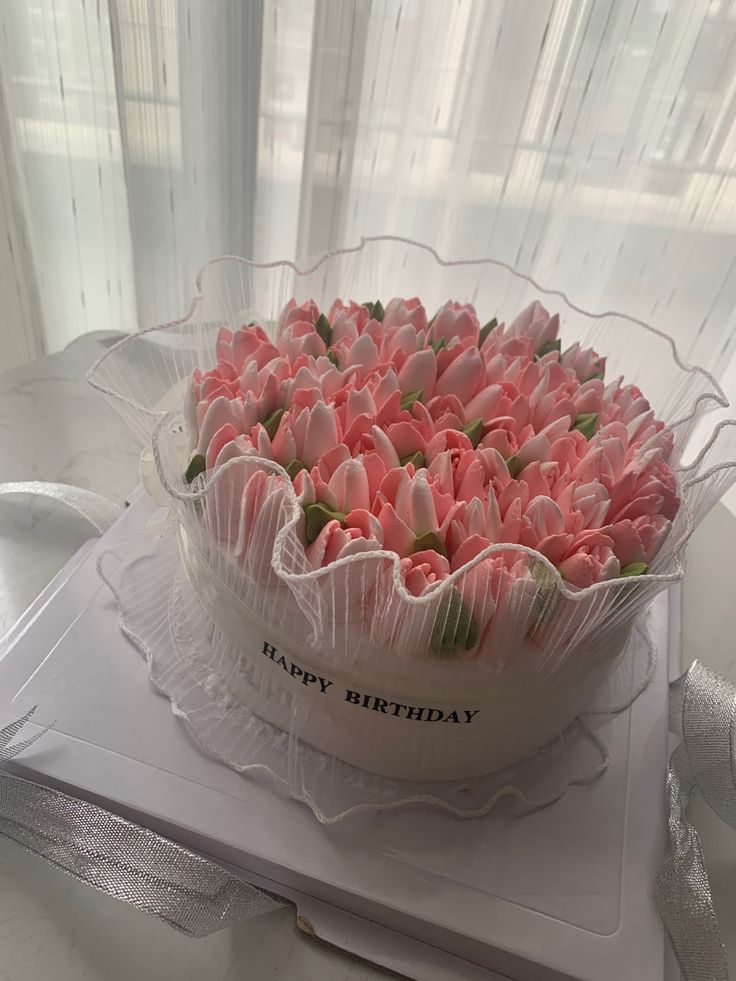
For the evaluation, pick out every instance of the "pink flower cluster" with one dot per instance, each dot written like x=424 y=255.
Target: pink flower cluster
x=437 y=438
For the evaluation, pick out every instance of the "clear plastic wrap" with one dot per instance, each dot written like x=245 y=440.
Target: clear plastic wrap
x=472 y=675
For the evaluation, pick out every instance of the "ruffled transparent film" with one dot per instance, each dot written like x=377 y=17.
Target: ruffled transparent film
x=211 y=687
x=344 y=656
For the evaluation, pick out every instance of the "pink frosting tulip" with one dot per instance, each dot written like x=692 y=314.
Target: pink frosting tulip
x=535 y=324
x=399 y=313
x=335 y=542
x=292 y=313
x=424 y=569
x=592 y=560
x=245 y=509
x=455 y=320
x=584 y=362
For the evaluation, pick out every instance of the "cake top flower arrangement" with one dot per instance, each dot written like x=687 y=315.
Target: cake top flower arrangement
x=434 y=438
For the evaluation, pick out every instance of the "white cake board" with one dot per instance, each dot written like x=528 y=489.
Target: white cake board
x=564 y=893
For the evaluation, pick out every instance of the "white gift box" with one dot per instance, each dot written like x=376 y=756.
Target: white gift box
x=565 y=892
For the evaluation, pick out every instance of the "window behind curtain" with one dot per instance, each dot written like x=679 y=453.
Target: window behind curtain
x=589 y=143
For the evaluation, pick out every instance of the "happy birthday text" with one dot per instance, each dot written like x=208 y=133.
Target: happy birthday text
x=415 y=713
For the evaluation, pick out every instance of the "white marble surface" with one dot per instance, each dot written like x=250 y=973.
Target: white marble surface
x=54 y=427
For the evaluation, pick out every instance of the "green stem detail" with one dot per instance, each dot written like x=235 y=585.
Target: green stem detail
x=316 y=516
x=272 y=423
x=429 y=540
x=408 y=400
x=416 y=458
x=474 y=431
x=546 y=348
x=197 y=465
x=586 y=423
x=633 y=569
x=322 y=326
x=486 y=330
x=454 y=626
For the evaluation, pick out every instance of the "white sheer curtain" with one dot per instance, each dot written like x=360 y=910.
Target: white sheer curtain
x=589 y=142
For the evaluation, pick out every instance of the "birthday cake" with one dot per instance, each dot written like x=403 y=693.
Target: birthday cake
x=419 y=532
x=482 y=463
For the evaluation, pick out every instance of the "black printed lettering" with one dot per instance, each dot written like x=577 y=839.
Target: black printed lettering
x=434 y=715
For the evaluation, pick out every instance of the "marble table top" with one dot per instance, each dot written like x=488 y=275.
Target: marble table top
x=53 y=426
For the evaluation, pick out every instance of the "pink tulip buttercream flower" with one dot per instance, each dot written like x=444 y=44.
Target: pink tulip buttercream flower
x=456 y=320
x=399 y=313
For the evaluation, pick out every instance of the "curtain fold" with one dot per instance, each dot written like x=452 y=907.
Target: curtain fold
x=22 y=337
x=590 y=143
x=188 y=82
x=59 y=81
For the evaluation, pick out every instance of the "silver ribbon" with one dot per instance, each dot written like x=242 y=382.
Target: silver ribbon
x=99 y=511
x=186 y=890
x=703 y=711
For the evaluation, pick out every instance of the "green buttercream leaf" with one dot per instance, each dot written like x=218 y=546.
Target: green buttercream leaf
x=586 y=423
x=543 y=575
x=633 y=569
x=293 y=467
x=369 y=307
x=323 y=329
x=454 y=626
x=197 y=465
x=474 y=431
x=599 y=377
x=316 y=516
x=408 y=400
x=546 y=598
x=515 y=466
x=416 y=458
x=549 y=346
x=429 y=540
x=437 y=345
x=378 y=311
x=486 y=330
x=332 y=356
x=272 y=423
